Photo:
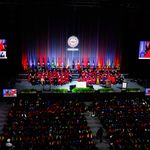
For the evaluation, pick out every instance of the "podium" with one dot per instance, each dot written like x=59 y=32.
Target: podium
x=108 y=83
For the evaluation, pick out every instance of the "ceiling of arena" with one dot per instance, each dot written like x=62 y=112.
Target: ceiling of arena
x=129 y=4
x=136 y=6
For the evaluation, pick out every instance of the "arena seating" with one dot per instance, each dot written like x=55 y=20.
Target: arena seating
x=126 y=122
x=37 y=124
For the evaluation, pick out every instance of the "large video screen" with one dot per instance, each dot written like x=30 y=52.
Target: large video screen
x=144 y=50
x=3 y=49
x=9 y=93
x=147 y=91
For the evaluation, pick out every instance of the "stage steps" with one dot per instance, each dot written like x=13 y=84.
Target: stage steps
x=75 y=76
x=22 y=77
x=4 y=108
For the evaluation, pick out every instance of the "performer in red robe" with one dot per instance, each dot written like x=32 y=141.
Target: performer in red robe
x=147 y=51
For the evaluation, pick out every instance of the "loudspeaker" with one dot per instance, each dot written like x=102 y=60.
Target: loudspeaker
x=72 y=86
x=90 y=86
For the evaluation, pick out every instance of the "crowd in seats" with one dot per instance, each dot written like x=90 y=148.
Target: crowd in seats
x=126 y=122
x=52 y=76
x=101 y=76
x=39 y=124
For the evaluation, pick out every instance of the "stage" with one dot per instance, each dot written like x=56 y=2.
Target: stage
x=22 y=84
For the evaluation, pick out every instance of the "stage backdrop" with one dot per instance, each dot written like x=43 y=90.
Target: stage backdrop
x=45 y=38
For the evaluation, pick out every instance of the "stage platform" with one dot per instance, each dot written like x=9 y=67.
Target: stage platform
x=22 y=84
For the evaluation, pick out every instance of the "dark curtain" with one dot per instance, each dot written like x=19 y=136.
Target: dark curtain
x=44 y=38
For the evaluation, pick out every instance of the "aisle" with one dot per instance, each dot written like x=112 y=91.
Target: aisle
x=4 y=108
x=94 y=124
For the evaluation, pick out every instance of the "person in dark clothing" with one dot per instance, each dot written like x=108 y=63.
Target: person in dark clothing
x=99 y=134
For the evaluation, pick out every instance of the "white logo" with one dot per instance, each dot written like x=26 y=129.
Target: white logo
x=73 y=41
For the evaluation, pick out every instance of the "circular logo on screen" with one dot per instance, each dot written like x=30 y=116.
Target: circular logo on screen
x=73 y=41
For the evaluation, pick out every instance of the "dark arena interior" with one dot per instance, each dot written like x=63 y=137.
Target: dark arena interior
x=74 y=75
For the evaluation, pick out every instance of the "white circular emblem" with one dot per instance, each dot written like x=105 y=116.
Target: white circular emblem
x=73 y=41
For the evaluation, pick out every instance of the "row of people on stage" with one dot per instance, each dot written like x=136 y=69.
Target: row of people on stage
x=100 y=77
x=74 y=66
x=63 y=76
x=50 y=77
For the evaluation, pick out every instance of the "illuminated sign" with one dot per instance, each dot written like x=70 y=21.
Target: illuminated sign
x=73 y=41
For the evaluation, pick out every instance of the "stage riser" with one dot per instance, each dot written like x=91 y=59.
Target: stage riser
x=22 y=76
x=75 y=77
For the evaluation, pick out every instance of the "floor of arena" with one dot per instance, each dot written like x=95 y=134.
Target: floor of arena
x=25 y=84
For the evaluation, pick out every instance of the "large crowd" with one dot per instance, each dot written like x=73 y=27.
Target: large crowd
x=37 y=124
x=126 y=121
